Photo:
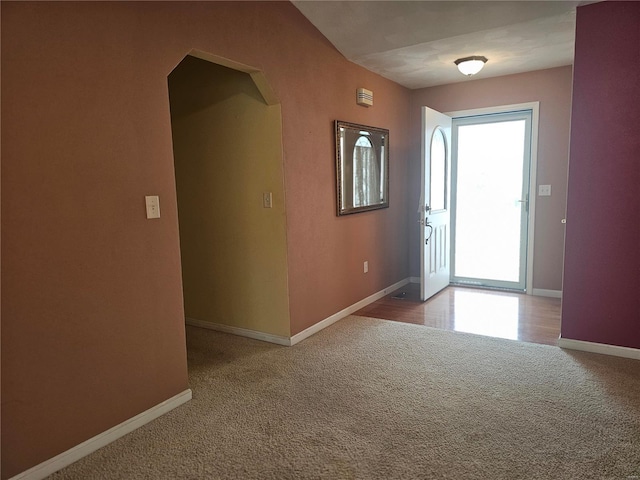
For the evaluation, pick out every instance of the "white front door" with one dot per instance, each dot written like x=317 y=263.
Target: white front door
x=434 y=208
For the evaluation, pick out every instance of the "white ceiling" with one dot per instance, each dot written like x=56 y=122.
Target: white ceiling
x=415 y=43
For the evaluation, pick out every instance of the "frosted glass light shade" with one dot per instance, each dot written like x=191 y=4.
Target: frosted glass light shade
x=470 y=65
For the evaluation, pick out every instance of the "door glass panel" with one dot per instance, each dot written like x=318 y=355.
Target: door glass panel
x=438 y=172
x=489 y=200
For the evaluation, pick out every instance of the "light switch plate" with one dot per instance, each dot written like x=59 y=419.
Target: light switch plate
x=267 y=200
x=153 y=206
x=544 y=190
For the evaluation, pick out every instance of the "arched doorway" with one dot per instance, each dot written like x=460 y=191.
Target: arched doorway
x=227 y=144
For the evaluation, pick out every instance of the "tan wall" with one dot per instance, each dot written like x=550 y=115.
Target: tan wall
x=92 y=309
x=552 y=88
x=227 y=146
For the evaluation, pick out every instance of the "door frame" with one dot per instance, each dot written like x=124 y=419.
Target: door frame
x=533 y=173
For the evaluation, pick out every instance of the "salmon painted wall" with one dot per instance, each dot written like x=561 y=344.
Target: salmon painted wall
x=601 y=301
x=552 y=88
x=326 y=252
x=92 y=322
x=92 y=309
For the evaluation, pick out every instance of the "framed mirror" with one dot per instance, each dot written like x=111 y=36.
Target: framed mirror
x=362 y=168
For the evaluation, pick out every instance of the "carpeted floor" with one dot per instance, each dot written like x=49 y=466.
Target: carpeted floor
x=373 y=399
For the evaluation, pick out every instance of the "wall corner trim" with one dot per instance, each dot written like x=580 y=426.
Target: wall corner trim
x=87 y=447
x=602 y=348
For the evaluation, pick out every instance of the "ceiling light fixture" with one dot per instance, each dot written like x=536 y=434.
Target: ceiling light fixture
x=471 y=65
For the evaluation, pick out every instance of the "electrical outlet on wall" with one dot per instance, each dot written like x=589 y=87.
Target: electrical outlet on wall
x=366 y=266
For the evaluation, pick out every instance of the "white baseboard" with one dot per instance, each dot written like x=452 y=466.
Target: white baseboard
x=414 y=279
x=602 y=348
x=74 y=454
x=297 y=338
x=242 y=332
x=541 y=292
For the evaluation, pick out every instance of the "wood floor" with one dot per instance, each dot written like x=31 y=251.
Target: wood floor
x=485 y=312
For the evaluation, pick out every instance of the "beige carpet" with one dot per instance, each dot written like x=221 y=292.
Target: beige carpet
x=372 y=399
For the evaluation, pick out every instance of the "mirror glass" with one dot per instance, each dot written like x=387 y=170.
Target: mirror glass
x=362 y=167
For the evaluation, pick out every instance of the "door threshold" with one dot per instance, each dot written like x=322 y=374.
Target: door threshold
x=487 y=287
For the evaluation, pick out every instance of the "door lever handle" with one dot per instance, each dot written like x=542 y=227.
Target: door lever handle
x=526 y=203
x=428 y=225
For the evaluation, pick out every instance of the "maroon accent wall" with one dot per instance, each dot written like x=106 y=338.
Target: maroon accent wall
x=92 y=310
x=601 y=301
